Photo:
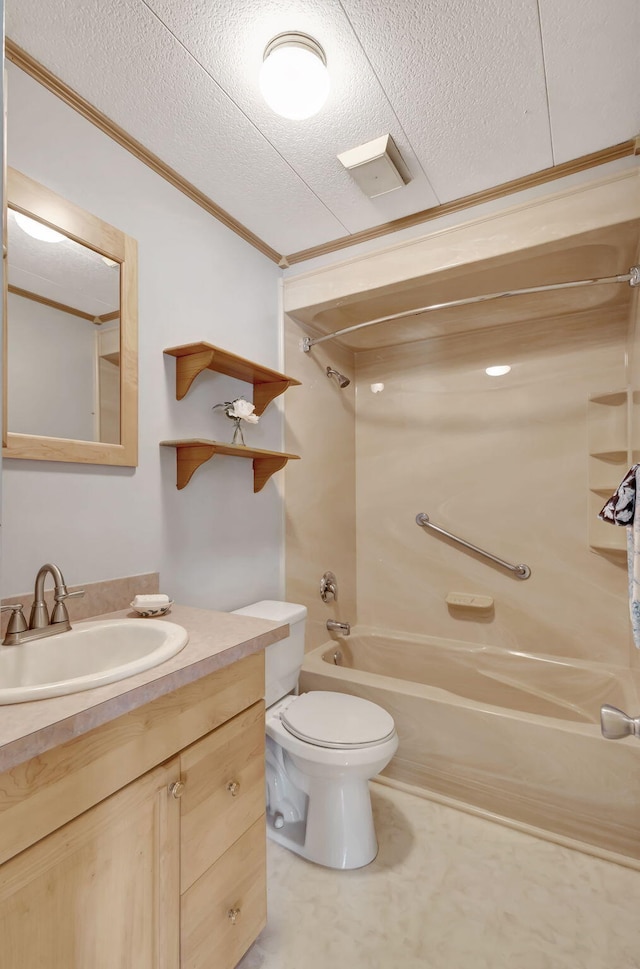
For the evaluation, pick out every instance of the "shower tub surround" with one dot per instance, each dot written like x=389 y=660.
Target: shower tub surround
x=506 y=733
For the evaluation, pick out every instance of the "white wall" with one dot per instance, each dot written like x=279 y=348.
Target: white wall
x=215 y=543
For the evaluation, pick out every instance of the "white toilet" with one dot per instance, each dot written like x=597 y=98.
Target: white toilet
x=322 y=750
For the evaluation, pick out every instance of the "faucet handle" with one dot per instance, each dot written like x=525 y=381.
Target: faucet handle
x=17 y=622
x=60 y=613
x=329 y=587
x=70 y=595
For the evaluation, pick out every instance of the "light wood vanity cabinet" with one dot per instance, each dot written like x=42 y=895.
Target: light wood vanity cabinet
x=142 y=843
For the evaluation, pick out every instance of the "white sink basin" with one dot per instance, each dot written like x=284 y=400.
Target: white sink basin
x=89 y=655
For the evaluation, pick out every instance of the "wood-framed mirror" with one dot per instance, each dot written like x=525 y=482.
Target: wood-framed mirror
x=71 y=332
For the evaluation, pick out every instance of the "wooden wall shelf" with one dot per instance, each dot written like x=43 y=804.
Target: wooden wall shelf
x=193 y=358
x=192 y=453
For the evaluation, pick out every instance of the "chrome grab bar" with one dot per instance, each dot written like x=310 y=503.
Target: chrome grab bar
x=521 y=571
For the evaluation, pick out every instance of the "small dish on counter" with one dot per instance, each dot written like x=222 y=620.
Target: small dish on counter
x=148 y=611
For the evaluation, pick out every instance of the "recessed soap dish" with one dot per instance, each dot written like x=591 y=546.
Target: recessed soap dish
x=469 y=600
x=148 y=611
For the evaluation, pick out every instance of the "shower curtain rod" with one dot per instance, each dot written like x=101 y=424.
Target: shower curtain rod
x=632 y=277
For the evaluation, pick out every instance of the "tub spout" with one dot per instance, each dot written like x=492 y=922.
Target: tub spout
x=616 y=724
x=344 y=628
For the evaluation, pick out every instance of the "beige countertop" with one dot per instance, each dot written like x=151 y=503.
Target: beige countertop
x=216 y=639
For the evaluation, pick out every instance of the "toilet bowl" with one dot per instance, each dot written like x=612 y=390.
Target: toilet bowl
x=322 y=749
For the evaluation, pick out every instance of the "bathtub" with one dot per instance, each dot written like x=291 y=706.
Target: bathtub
x=510 y=734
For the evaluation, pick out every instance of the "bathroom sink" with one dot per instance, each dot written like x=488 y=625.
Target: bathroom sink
x=87 y=656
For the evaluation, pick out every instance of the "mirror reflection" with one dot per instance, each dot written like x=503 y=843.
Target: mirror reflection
x=63 y=309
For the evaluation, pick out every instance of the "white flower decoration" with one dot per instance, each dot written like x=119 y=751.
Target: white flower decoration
x=241 y=408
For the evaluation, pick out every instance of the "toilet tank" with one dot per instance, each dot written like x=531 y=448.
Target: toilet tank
x=283 y=660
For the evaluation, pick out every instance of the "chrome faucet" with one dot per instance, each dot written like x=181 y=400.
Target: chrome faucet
x=40 y=625
x=344 y=628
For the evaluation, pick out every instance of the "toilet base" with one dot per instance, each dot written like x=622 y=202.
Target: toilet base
x=338 y=831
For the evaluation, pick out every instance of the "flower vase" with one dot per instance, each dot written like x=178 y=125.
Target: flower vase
x=238 y=437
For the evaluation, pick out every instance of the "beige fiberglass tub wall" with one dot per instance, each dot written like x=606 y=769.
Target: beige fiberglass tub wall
x=506 y=464
x=513 y=735
x=503 y=462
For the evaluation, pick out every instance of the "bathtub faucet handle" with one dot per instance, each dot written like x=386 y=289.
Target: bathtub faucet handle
x=329 y=587
x=616 y=724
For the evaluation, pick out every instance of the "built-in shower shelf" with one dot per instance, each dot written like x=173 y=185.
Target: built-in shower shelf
x=193 y=453
x=613 y=457
x=615 y=398
x=601 y=547
x=609 y=446
x=193 y=358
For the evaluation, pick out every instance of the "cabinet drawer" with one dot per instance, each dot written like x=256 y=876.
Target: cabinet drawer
x=226 y=909
x=223 y=776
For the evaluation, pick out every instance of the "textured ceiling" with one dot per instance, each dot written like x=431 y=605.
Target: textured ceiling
x=474 y=92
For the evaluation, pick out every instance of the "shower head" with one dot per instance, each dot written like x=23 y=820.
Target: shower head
x=341 y=380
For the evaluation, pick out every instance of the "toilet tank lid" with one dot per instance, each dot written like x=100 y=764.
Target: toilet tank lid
x=275 y=610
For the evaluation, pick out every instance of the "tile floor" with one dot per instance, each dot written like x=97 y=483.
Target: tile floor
x=450 y=891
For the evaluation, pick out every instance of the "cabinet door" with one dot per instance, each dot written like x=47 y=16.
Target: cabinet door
x=224 y=794
x=103 y=890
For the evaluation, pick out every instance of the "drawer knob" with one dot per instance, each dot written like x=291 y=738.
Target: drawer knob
x=233 y=915
x=176 y=789
x=234 y=788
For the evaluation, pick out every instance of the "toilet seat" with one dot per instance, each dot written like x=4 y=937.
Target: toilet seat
x=336 y=720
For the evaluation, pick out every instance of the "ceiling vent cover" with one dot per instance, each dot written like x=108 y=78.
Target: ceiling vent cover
x=377 y=167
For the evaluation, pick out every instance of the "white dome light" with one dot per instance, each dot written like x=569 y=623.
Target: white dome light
x=37 y=230
x=497 y=371
x=294 y=80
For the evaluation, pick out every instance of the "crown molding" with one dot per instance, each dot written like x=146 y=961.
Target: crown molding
x=44 y=76
x=622 y=150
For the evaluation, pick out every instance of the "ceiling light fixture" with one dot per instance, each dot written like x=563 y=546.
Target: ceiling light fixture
x=294 y=80
x=498 y=371
x=37 y=230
